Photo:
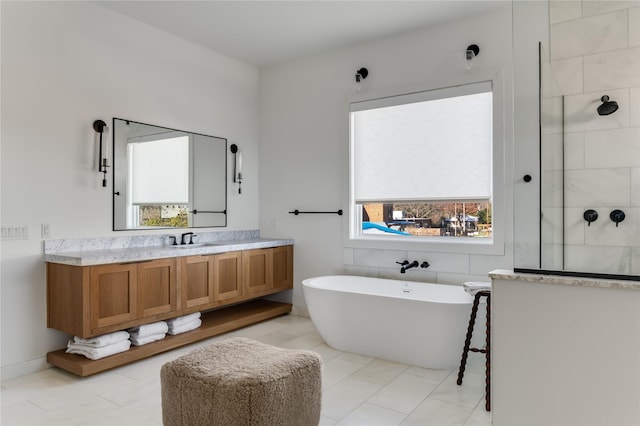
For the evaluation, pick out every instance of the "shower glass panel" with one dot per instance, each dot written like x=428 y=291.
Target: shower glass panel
x=551 y=166
x=587 y=198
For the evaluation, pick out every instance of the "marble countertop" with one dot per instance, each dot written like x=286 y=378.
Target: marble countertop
x=509 y=275
x=132 y=254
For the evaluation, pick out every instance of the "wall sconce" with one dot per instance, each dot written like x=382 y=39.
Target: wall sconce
x=470 y=54
x=101 y=127
x=361 y=74
x=237 y=166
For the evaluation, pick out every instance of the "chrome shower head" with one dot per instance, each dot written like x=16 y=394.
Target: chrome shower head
x=607 y=107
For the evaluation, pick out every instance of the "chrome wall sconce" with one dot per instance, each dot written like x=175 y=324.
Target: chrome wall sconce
x=103 y=163
x=237 y=166
x=361 y=74
x=472 y=51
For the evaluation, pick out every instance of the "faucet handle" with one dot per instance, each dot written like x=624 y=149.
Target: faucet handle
x=404 y=262
x=191 y=238
x=173 y=238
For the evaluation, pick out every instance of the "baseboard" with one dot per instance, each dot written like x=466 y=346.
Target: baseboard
x=14 y=371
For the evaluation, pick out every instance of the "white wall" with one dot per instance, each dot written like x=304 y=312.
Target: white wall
x=64 y=65
x=304 y=145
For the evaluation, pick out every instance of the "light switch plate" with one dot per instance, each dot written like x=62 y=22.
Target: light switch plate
x=15 y=232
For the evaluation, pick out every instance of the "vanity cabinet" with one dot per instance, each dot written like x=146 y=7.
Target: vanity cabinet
x=267 y=269
x=130 y=291
x=113 y=294
x=227 y=276
x=208 y=279
x=196 y=281
x=88 y=301
x=157 y=287
x=92 y=300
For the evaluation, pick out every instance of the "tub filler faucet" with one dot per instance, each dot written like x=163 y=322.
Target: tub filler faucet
x=406 y=265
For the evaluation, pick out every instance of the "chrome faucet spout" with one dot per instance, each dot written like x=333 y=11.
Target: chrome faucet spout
x=413 y=264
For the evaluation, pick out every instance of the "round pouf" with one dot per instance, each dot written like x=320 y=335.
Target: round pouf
x=240 y=381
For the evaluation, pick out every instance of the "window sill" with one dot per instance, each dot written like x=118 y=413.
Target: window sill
x=468 y=245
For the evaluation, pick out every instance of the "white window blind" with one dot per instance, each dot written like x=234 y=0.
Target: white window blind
x=434 y=145
x=160 y=171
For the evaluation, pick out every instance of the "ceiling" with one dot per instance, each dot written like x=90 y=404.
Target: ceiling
x=267 y=32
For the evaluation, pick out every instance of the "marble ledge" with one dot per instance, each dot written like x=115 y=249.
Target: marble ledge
x=509 y=275
x=100 y=251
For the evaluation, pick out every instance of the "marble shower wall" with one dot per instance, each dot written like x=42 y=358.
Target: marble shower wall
x=594 y=50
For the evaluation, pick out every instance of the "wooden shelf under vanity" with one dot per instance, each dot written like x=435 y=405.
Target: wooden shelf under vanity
x=213 y=323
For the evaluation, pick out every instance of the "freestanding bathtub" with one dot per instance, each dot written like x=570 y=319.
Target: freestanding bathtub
x=413 y=323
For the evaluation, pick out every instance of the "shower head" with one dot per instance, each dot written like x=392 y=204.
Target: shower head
x=607 y=107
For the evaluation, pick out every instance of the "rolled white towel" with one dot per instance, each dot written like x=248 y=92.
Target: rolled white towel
x=100 y=352
x=178 y=321
x=152 y=329
x=139 y=341
x=473 y=287
x=185 y=327
x=104 y=340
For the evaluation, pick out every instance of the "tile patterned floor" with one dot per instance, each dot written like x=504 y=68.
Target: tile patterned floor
x=357 y=390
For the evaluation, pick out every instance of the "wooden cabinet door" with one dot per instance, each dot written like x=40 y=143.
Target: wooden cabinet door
x=227 y=275
x=196 y=281
x=113 y=294
x=282 y=267
x=157 y=287
x=255 y=271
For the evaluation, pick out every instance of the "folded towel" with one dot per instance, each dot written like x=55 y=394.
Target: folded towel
x=173 y=330
x=97 y=353
x=178 y=321
x=473 y=287
x=104 y=340
x=139 y=341
x=152 y=329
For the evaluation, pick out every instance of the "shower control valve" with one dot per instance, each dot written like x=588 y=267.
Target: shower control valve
x=590 y=216
x=617 y=216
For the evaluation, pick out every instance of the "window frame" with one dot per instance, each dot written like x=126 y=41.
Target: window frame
x=492 y=246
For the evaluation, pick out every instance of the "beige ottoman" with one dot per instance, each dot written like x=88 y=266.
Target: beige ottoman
x=242 y=382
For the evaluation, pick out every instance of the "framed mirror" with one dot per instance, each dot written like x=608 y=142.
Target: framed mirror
x=167 y=178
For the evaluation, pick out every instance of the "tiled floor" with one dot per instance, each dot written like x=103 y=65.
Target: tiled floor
x=357 y=390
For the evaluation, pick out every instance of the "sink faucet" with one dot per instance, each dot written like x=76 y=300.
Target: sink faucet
x=182 y=241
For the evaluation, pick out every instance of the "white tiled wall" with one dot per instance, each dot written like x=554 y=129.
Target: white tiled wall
x=594 y=51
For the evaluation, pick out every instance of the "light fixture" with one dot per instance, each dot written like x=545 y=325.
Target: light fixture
x=103 y=164
x=361 y=74
x=472 y=51
x=237 y=166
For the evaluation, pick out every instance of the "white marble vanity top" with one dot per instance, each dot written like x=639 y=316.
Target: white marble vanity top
x=99 y=251
x=509 y=275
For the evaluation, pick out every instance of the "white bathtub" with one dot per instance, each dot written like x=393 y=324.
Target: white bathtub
x=413 y=323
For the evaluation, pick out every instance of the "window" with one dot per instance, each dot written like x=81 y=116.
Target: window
x=422 y=165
